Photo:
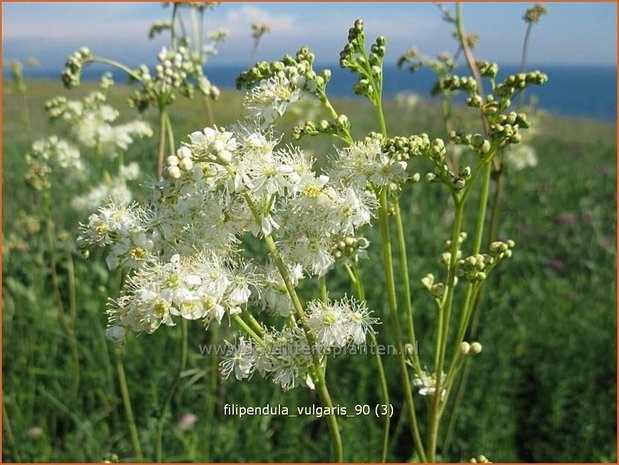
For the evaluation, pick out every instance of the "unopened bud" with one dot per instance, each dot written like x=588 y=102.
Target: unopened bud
x=465 y=348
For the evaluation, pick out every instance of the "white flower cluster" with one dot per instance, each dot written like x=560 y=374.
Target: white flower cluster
x=90 y=121
x=364 y=163
x=113 y=189
x=184 y=255
x=270 y=98
x=520 y=156
x=49 y=155
x=273 y=87
x=426 y=383
x=196 y=287
x=286 y=357
x=177 y=69
x=339 y=323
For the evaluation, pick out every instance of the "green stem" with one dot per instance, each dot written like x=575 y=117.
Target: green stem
x=239 y=321
x=73 y=319
x=173 y=27
x=113 y=63
x=208 y=110
x=457 y=401
x=384 y=390
x=494 y=211
x=161 y=146
x=322 y=281
x=321 y=386
x=523 y=56
x=444 y=317
x=395 y=323
x=170 y=393
x=210 y=394
x=52 y=263
x=27 y=115
x=170 y=134
x=334 y=429
x=408 y=300
x=124 y=393
x=446 y=112
x=257 y=326
x=8 y=432
x=481 y=210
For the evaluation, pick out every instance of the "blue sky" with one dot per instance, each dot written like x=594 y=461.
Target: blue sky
x=572 y=33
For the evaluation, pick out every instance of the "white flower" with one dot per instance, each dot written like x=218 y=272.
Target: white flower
x=427 y=384
x=270 y=98
x=360 y=322
x=520 y=156
x=241 y=360
x=214 y=144
x=329 y=324
x=338 y=323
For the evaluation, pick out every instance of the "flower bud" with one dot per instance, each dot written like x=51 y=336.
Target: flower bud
x=476 y=347
x=174 y=172
x=465 y=348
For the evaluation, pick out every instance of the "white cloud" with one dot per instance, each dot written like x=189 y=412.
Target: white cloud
x=239 y=21
x=83 y=23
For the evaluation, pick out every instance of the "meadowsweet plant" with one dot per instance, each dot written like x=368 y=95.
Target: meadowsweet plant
x=179 y=69
x=16 y=69
x=257 y=31
x=97 y=146
x=511 y=157
x=186 y=254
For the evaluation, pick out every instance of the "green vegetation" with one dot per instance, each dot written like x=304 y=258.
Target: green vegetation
x=544 y=388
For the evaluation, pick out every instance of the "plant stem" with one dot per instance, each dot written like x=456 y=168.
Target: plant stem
x=395 y=323
x=124 y=393
x=170 y=134
x=406 y=284
x=113 y=63
x=444 y=317
x=334 y=429
x=161 y=146
x=208 y=110
x=446 y=112
x=323 y=288
x=173 y=26
x=358 y=284
x=523 y=56
x=321 y=386
x=257 y=326
x=171 y=391
x=494 y=211
x=239 y=321
x=210 y=394
x=73 y=319
x=8 y=432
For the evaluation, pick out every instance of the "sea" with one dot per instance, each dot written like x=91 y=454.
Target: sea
x=576 y=91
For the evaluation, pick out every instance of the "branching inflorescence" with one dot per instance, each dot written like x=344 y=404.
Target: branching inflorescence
x=184 y=249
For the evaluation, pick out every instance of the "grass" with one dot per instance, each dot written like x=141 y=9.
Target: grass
x=544 y=388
